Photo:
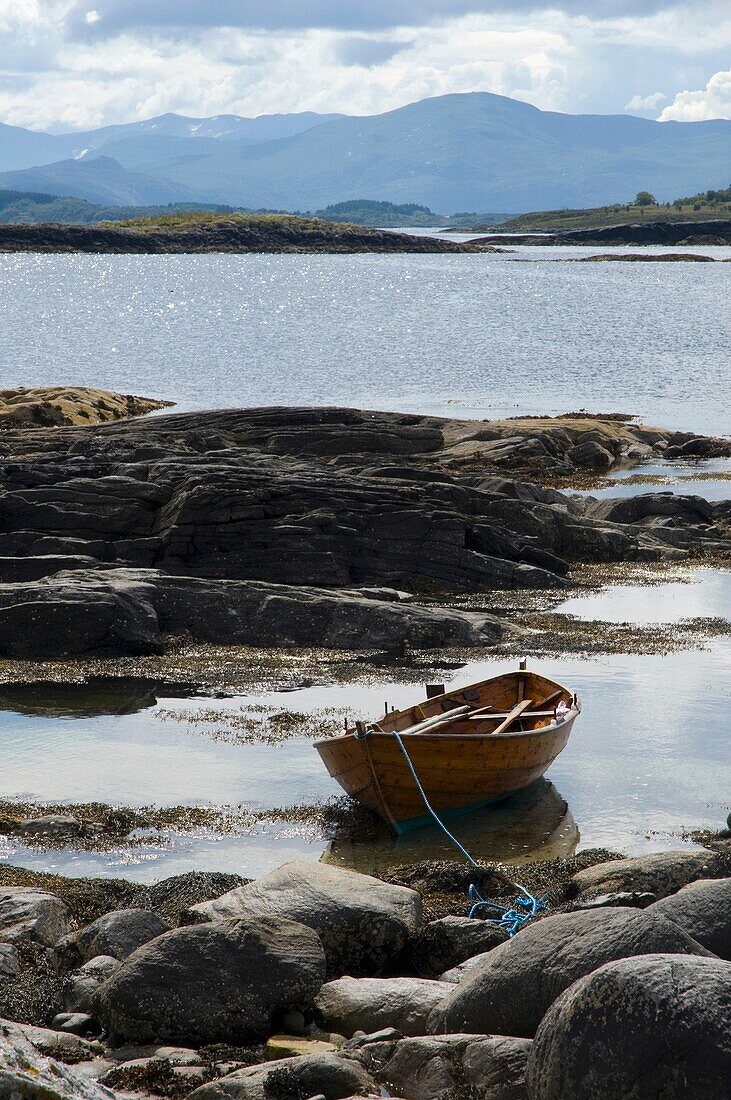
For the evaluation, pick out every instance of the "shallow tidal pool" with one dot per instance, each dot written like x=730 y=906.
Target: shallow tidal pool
x=648 y=760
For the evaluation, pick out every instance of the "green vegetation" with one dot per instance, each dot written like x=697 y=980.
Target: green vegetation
x=706 y=206
x=193 y=218
x=30 y=208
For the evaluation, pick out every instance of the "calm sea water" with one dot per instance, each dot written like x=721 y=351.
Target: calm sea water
x=648 y=757
x=456 y=335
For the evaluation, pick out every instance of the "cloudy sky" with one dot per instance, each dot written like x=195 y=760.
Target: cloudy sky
x=66 y=64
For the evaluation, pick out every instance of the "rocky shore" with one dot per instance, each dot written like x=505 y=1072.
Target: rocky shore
x=330 y=527
x=224 y=234
x=657 y=232
x=313 y=981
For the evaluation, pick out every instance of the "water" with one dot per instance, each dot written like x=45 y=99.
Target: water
x=707 y=478
x=648 y=757
x=481 y=336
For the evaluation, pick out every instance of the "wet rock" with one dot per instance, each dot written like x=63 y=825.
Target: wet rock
x=55 y=827
x=660 y=873
x=30 y=914
x=116 y=934
x=703 y=910
x=9 y=960
x=656 y=1025
x=348 y=1004
x=510 y=991
x=330 y=1075
x=170 y=897
x=213 y=983
x=443 y=944
x=81 y=985
x=361 y=921
x=450 y=1067
x=27 y=1074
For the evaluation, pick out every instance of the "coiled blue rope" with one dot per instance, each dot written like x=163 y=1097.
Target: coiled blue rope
x=525 y=905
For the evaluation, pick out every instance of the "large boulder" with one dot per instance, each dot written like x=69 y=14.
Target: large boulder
x=361 y=921
x=450 y=1067
x=25 y=1074
x=330 y=1075
x=118 y=934
x=445 y=943
x=78 y=612
x=703 y=910
x=369 y=1004
x=511 y=990
x=213 y=983
x=659 y=873
x=653 y=1026
x=30 y=914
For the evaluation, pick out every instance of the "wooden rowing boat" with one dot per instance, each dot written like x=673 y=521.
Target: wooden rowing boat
x=468 y=747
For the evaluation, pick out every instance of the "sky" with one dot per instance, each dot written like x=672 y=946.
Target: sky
x=79 y=64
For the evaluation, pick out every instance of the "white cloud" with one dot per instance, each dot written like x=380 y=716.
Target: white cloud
x=646 y=102
x=52 y=78
x=713 y=101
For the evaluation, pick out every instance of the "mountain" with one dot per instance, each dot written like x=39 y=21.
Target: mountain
x=472 y=151
x=21 y=148
x=96 y=179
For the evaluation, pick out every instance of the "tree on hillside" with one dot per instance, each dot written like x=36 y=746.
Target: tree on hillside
x=645 y=198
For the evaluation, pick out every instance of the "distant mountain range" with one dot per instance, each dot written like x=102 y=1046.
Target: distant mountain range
x=474 y=151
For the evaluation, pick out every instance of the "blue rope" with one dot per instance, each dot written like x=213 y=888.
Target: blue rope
x=525 y=906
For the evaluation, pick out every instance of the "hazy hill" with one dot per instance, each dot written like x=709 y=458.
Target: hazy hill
x=458 y=152
x=96 y=179
x=470 y=152
x=20 y=148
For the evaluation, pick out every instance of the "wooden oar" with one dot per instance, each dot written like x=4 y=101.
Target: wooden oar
x=514 y=714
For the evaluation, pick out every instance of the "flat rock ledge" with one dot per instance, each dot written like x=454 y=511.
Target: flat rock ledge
x=308 y=526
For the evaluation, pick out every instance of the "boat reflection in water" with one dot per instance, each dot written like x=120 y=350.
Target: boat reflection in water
x=533 y=824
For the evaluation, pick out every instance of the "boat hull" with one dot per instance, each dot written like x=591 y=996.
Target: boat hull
x=456 y=773
x=459 y=770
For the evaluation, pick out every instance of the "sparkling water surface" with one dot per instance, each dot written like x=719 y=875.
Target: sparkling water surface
x=482 y=336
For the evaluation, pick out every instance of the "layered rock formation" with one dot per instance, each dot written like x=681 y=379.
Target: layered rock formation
x=301 y=526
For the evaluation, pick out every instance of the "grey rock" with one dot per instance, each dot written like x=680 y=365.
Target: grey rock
x=78 y=612
x=510 y=991
x=623 y=899
x=703 y=910
x=651 y=1026
x=348 y=1004
x=75 y=1023
x=30 y=914
x=47 y=1041
x=332 y=1075
x=213 y=983
x=117 y=934
x=660 y=873
x=361 y=921
x=25 y=1074
x=450 y=1067
x=591 y=455
x=443 y=944
x=9 y=960
x=81 y=985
